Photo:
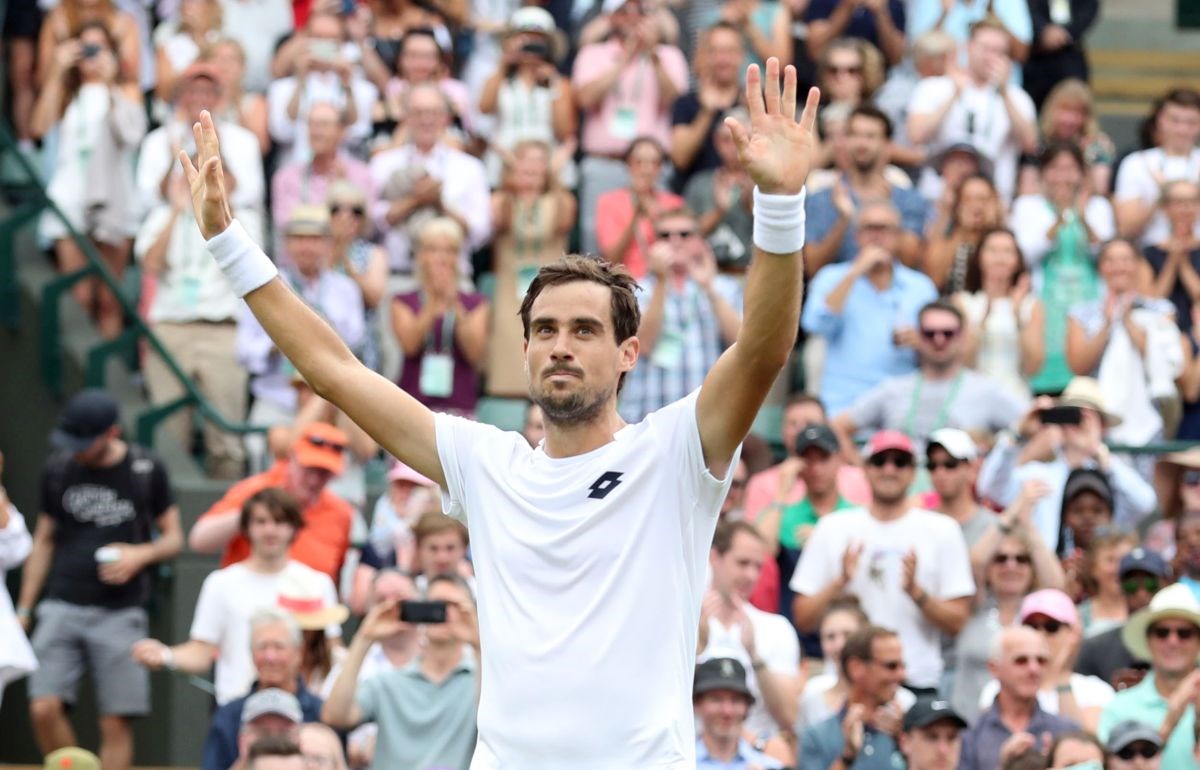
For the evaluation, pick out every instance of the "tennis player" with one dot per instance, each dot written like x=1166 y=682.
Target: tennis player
x=589 y=549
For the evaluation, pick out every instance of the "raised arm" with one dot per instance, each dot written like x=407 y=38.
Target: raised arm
x=392 y=417
x=776 y=152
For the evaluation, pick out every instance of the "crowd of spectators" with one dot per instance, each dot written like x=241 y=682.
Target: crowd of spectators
x=997 y=293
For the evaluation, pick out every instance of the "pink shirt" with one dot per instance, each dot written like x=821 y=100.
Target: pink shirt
x=633 y=107
x=614 y=209
x=295 y=183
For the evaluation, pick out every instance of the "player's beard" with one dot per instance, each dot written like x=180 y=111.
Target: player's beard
x=575 y=408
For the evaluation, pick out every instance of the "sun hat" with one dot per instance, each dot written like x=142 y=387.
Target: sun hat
x=300 y=593
x=1176 y=601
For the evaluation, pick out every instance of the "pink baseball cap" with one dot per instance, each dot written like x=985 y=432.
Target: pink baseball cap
x=401 y=472
x=886 y=440
x=1052 y=603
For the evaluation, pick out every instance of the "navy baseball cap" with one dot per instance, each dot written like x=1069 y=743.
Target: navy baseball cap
x=88 y=415
x=1142 y=560
x=819 y=435
x=927 y=711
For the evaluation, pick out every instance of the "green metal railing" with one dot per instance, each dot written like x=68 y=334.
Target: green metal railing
x=31 y=194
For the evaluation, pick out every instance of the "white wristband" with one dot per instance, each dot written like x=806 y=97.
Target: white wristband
x=244 y=264
x=779 y=222
x=168 y=658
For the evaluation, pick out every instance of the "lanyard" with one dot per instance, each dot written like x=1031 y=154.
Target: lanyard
x=636 y=93
x=447 y=338
x=910 y=419
x=985 y=125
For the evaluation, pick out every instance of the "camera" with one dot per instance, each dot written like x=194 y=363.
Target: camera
x=423 y=612
x=89 y=50
x=1062 y=415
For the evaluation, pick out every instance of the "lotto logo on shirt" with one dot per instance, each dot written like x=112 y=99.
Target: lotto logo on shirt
x=98 y=505
x=607 y=482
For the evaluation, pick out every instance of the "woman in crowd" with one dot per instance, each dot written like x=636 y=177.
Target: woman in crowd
x=625 y=216
x=952 y=243
x=442 y=330
x=238 y=106
x=1172 y=268
x=1104 y=608
x=1005 y=334
x=319 y=653
x=356 y=256
x=850 y=71
x=1131 y=345
x=1069 y=115
x=721 y=198
x=390 y=19
x=422 y=60
x=65 y=22
x=1058 y=229
x=531 y=219
x=528 y=97
x=99 y=123
x=181 y=41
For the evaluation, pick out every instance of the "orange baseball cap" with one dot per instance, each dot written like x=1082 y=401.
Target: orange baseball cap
x=320 y=445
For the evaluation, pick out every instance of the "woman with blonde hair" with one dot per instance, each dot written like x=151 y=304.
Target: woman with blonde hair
x=531 y=219
x=1069 y=115
x=442 y=330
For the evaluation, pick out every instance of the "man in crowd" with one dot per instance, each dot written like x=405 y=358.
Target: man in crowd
x=274 y=752
x=625 y=87
x=316 y=457
x=269 y=522
x=425 y=711
x=278 y=700
x=427 y=178
x=909 y=567
x=1142 y=574
x=873 y=664
x=690 y=314
x=1138 y=192
x=980 y=105
x=441 y=548
x=866 y=310
x=722 y=699
x=1167 y=633
x=1015 y=722
x=942 y=393
x=1134 y=745
x=931 y=735
x=730 y=627
x=831 y=213
x=93 y=551
x=952 y=459
x=697 y=116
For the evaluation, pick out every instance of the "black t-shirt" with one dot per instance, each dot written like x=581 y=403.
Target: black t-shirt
x=1179 y=295
x=685 y=110
x=93 y=507
x=1104 y=655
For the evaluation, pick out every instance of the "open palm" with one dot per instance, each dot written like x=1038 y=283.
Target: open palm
x=207 y=179
x=777 y=150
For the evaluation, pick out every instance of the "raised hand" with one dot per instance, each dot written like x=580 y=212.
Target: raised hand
x=209 y=199
x=777 y=151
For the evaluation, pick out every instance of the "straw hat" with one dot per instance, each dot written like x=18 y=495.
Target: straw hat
x=537 y=21
x=1085 y=392
x=1186 y=459
x=1175 y=601
x=300 y=594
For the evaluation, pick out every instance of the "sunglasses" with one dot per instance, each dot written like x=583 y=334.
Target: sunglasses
x=876 y=227
x=891 y=665
x=1133 y=585
x=951 y=464
x=1191 y=478
x=666 y=235
x=1185 y=634
x=338 y=208
x=1051 y=627
x=1016 y=558
x=1025 y=660
x=898 y=459
x=1143 y=750
x=854 y=69
x=322 y=443
x=945 y=334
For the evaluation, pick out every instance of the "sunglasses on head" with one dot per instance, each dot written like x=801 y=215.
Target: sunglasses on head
x=1133 y=585
x=1051 y=627
x=951 y=464
x=322 y=443
x=338 y=208
x=898 y=459
x=1140 y=749
x=1191 y=478
x=1016 y=558
x=1184 y=633
x=666 y=235
x=945 y=334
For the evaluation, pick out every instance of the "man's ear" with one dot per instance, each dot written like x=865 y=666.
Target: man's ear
x=630 y=349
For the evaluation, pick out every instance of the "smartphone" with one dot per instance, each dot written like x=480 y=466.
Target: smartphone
x=89 y=50
x=423 y=612
x=1061 y=415
x=323 y=50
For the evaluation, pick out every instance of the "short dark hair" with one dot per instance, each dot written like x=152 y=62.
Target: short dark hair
x=1079 y=736
x=872 y=112
x=1059 y=147
x=626 y=315
x=1183 y=97
x=272 y=746
x=451 y=579
x=278 y=502
x=727 y=530
x=944 y=305
x=849 y=605
x=434 y=523
x=974 y=279
x=415 y=32
x=861 y=645
x=638 y=142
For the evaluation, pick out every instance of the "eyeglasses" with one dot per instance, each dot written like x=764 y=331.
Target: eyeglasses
x=945 y=334
x=899 y=459
x=1143 y=750
x=1017 y=558
x=338 y=208
x=1184 y=633
x=951 y=464
x=1191 y=478
x=1133 y=585
x=324 y=443
x=1025 y=660
x=1051 y=627
x=666 y=235
x=837 y=69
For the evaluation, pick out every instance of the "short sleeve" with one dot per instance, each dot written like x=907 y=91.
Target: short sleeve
x=587 y=65
x=1132 y=176
x=954 y=566
x=819 y=216
x=684 y=109
x=367 y=697
x=161 y=496
x=869 y=409
x=782 y=655
x=679 y=431
x=929 y=94
x=458 y=441
x=208 y=621
x=815 y=568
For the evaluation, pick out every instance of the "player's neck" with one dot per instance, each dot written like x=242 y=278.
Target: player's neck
x=580 y=438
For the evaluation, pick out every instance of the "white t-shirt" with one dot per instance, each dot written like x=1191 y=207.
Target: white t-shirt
x=1089 y=692
x=228 y=599
x=943 y=570
x=591 y=570
x=1136 y=180
x=978 y=117
x=777 y=646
